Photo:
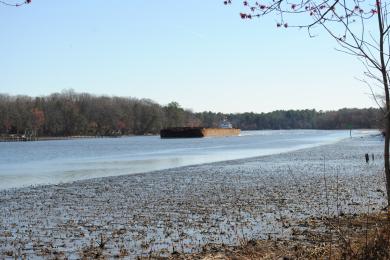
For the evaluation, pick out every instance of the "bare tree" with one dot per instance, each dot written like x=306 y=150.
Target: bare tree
x=15 y=4
x=360 y=27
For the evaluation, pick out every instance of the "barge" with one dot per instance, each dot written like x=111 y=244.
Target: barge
x=199 y=132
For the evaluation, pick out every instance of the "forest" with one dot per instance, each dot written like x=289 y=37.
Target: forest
x=81 y=114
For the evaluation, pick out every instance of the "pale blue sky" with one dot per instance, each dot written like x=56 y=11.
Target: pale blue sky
x=196 y=52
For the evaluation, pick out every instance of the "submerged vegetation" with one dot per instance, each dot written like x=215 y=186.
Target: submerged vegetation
x=69 y=114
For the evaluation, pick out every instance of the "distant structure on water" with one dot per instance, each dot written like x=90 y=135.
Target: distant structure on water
x=29 y=135
x=225 y=125
x=225 y=129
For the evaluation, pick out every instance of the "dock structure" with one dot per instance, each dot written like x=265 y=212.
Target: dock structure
x=17 y=138
x=28 y=135
x=197 y=132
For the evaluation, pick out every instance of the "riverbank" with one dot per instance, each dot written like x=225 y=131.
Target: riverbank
x=183 y=209
x=21 y=138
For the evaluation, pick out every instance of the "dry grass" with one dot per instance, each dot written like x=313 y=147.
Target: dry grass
x=353 y=237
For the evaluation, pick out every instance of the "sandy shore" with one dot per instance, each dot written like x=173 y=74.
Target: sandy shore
x=184 y=208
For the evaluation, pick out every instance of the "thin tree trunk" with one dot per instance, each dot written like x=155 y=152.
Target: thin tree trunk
x=387 y=100
x=387 y=162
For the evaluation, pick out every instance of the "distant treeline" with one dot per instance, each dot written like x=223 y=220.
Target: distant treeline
x=69 y=114
x=367 y=118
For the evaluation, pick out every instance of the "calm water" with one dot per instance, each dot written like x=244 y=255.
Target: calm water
x=30 y=163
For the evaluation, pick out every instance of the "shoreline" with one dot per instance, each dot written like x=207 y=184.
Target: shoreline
x=181 y=209
x=20 y=138
x=11 y=139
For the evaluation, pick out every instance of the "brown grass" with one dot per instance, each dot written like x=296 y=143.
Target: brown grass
x=347 y=237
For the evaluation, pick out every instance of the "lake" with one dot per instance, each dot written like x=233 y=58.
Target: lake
x=53 y=162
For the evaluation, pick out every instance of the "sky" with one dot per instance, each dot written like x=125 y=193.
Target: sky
x=198 y=53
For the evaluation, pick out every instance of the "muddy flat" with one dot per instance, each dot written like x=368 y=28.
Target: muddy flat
x=181 y=209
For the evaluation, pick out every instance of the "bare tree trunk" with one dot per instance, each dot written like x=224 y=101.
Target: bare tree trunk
x=386 y=158
x=387 y=100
